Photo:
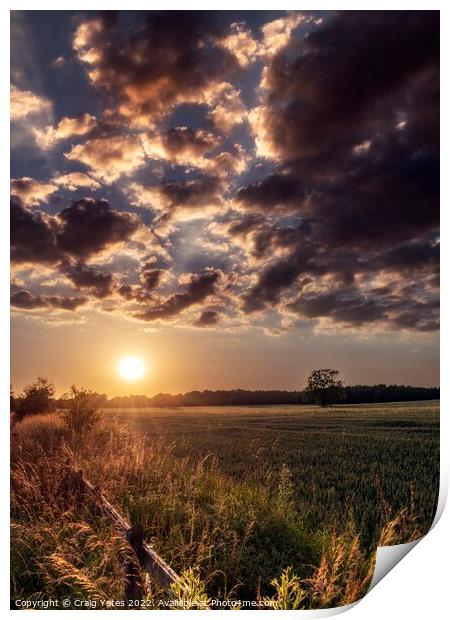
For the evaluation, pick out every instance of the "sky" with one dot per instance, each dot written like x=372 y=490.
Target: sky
x=236 y=198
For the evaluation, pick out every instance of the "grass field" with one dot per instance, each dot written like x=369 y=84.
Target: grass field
x=238 y=494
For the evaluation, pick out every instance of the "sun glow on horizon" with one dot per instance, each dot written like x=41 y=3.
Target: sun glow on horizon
x=131 y=368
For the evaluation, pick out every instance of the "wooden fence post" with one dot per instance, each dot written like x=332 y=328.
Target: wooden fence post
x=74 y=486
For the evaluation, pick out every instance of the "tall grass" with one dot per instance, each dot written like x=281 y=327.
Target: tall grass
x=228 y=538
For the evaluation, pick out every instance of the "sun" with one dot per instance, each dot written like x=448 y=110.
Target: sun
x=131 y=368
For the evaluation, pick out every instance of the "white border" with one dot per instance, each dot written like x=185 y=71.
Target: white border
x=416 y=589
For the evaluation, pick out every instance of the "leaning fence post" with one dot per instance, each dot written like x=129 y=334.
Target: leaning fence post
x=76 y=486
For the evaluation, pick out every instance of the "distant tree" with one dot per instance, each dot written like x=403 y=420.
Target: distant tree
x=83 y=411
x=37 y=398
x=325 y=387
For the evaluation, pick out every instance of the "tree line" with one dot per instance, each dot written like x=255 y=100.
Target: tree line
x=352 y=394
x=323 y=388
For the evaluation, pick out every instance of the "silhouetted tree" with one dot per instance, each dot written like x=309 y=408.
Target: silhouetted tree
x=37 y=398
x=325 y=387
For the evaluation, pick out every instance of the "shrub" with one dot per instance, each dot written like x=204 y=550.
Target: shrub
x=83 y=413
x=37 y=398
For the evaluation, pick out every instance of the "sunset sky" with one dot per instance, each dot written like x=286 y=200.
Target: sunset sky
x=235 y=198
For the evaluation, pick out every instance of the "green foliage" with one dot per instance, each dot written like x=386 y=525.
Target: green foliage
x=190 y=591
x=325 y=387
x=37 y=398
x=289 y=594
x=83 y=413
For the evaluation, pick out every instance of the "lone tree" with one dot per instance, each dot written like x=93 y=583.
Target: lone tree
x=37 y=398
x=325 y=387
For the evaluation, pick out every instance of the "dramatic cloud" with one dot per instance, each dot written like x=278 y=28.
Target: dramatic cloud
x=353 y=308
x=296 y=153
x=90 y=226
x=347 y=306
x=208 y=318
x=277 y=33
x=110 y=158
x=33 y=236
x=184 y=199
x=281 y=192
x=181 y=145
x=351 y=120
x=24 y=103
x=354 y=73
x=74 y=180
x=168 y=58
x=228 y=111
x=25 y=300
x=84 y=277
x=32 y=192
x=199 y=288
x=151 y=278
x=241 y=44
x=66 y=128
x=86 y=228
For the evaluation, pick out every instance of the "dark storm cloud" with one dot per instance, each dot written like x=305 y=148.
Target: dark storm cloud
x=246 y=224
x=282 y=192
x=207 y=318
x=279 y=275
x=126 y=291
x=343 y=191
x=391 y=196
x=418 y=318
x=346 y=306
x=199 y=288
x=84 y=229
x=181 y=145
x=351 y=116
x=90 y=226
x=421 y=254
x=151 y=278
x=408 y=262
x=27 y=301
x=65 y=303
x=353 y=72
x=263 y=236
x=191 y=193
x=351 y=307
x=97 y=283
x=165 y=59
x=354 y=117
x=24 y=299
x=33 y=236
x=272 y=238
x=184 y=199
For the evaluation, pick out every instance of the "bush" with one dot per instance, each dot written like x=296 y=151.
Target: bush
x=37 y=398
x=83 y=413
